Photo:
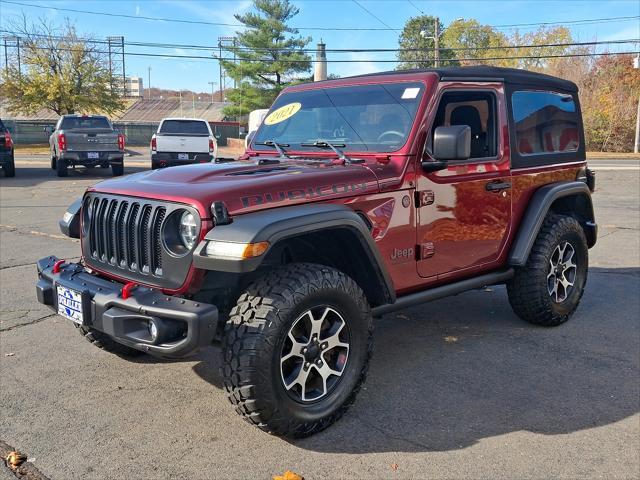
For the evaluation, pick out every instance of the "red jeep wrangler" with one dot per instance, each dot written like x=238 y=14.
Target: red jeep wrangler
x=357 y=197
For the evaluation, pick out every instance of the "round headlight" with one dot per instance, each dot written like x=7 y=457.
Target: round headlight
x=188 y=230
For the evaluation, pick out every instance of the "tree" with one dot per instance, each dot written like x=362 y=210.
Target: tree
x=61 y=72
x=549 y=39
x=474 y=44
x=417 y=47
x=270 y=55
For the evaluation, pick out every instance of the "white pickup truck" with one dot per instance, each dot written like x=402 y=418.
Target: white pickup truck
x=181 y=141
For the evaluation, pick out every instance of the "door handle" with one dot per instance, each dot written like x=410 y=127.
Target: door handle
x=497 y=186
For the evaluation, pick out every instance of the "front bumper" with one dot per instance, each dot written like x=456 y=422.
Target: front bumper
x=184 y=325
x=82 y=158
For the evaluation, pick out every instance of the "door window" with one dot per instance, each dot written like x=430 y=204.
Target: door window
x=478 y=111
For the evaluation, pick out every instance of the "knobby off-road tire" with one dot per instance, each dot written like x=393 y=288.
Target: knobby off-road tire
x=104 y=342
x=548 y=289
x=61 y=168
x=258 y=345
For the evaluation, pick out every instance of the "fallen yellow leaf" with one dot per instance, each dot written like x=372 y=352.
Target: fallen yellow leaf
x=450 y=339
x=288 y=475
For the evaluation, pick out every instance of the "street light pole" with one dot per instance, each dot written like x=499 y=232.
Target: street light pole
x=149 y=82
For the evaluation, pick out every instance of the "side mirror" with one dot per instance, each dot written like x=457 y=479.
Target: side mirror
x=452 y=143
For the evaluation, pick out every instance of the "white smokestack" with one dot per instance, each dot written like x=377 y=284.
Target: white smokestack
x=320 y=72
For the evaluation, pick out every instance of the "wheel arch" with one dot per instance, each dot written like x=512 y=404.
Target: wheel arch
x=326 y=234
x=566 y=198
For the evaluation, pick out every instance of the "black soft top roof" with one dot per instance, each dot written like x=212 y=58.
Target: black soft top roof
x=482 y=72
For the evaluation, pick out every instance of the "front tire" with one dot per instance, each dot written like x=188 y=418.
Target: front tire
x=548 y=289
x=296 y=349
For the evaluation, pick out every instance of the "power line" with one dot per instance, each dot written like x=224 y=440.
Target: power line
x=373 y=15
x=386 y=28
x=132 y=43
x=471 y=59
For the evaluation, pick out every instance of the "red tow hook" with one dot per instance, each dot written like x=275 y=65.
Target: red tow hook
x=126 y=290
x=57 y=265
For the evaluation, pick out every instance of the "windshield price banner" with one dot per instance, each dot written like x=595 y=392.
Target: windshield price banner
x=282 y=113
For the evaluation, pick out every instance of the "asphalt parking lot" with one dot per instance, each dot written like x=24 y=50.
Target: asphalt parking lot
x=459 y=388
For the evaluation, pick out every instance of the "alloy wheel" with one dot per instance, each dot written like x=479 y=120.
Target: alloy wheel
x=314 y=354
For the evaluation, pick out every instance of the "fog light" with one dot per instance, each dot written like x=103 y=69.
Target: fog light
x=153 y=330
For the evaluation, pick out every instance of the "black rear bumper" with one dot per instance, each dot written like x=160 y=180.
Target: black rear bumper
x=6 y=157
x=183 y=325
x=170 y=159
x=82 y=158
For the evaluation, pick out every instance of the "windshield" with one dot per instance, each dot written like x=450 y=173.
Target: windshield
x=184 y=127
x=72 y=123
x=362 y=118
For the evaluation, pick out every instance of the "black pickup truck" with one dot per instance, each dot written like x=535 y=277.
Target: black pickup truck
x=6 y=152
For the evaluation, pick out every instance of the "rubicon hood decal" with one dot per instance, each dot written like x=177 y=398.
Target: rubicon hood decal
x=246 y=185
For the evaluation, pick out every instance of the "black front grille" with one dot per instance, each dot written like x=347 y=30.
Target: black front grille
x=127 y=237
x=125 y=233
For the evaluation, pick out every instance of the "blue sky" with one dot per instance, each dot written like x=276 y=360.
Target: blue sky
x=195 y=74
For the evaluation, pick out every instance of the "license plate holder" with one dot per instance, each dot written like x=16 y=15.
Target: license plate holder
x=71 y=304
x=93 y=155
x=183 y=156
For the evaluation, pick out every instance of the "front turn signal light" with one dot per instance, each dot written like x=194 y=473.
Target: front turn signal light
x=233 y=250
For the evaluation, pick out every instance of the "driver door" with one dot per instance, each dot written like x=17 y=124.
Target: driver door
x=464 y=210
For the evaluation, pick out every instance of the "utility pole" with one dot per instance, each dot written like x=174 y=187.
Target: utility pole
x=18 y=47
x=149 y=83
x=220 y=65
x=636 y=146
x=212 y=84
x=436 y=42
x=6 y=57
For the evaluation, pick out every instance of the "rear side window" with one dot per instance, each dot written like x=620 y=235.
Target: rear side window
x=71 y=123
x=184 y=127
x=2 y=127
x=545 y=122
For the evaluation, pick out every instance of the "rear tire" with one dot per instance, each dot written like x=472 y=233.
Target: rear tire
x=53 y=162
x=61 y=168
x=10 y=168
x=117 y=169
x=278 y=375
x=548 y=289
x=105 y=342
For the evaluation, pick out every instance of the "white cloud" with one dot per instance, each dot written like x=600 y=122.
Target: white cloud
x=217 y=13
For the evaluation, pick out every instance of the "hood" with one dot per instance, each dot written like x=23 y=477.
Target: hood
x=246 y=185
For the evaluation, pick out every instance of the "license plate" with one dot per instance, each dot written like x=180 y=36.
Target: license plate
x=93 y=155
x=70 y=304
x=183 y=156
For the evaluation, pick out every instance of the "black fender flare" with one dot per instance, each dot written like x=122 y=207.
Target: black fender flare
x=539 y=205
x=278 y=224
x=70 y=223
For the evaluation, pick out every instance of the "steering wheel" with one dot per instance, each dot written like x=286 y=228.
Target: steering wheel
x=390 y=133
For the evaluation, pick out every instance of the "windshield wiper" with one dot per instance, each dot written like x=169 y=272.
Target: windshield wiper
x=278 y=146
x=333 y=146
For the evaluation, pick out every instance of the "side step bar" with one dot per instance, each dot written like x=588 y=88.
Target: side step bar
x=443 y=291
